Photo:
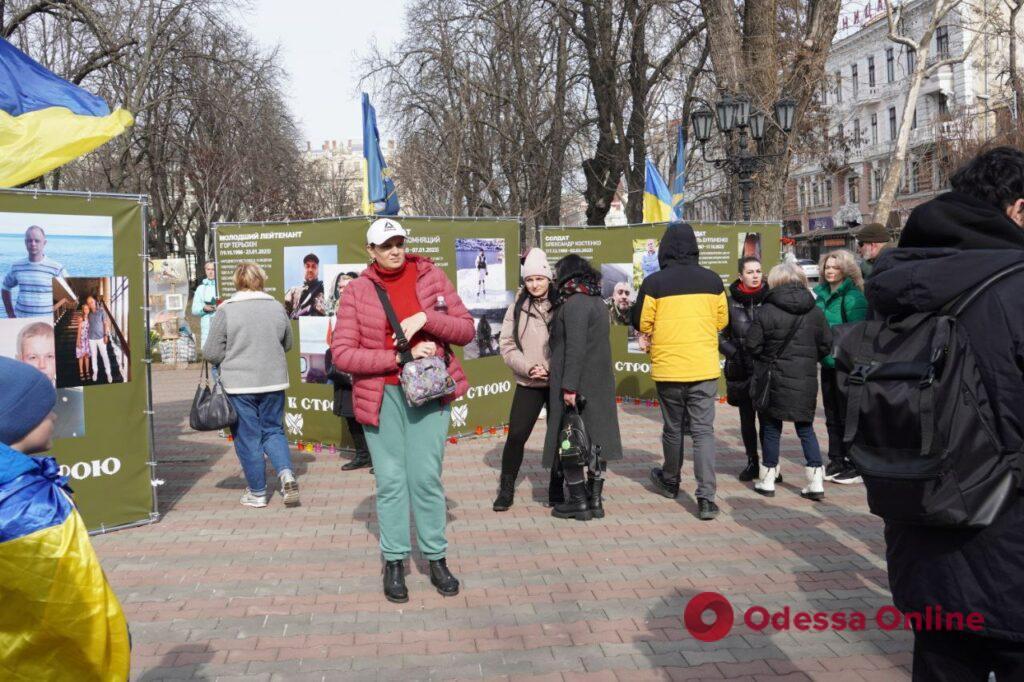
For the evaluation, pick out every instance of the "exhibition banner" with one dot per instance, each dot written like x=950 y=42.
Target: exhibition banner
x=626 y=255
x=73 y=285
x=308 y=264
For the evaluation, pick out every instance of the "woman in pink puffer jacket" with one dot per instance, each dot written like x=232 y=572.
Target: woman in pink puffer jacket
x=406 y=443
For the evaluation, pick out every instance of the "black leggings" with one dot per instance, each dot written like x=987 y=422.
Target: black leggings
x=526 y=405
x=749 y=419
x=835 y=414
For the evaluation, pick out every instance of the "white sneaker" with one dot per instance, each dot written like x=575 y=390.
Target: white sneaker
x=765 y=483
x=289 y=489
x=250 y=500
x=815 y=489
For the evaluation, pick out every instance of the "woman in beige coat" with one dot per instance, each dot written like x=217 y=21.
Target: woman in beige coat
x=524 y=348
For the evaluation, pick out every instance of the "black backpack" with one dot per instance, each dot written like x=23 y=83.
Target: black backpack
x=919 y=423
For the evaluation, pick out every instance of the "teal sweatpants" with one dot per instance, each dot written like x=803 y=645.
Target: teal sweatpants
x=407 y=449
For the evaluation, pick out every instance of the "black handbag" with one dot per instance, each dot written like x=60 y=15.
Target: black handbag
x=211 y=408
x=764 y=374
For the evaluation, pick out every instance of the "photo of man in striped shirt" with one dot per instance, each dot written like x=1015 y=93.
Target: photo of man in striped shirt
x=33 y=277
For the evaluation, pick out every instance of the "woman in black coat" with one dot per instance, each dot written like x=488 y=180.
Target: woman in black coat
x=746 y=295
x=787 y=340
x=581 y=366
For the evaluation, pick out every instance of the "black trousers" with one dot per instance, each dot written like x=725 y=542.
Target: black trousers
x=835 y=414
x=526 y=406
x=356 y=429
x=749 y=419
x=965 y=657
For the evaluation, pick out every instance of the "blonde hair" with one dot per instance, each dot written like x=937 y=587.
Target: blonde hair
x=249 y=277
x=786 y=273
x=34 y=330
x=847 y=265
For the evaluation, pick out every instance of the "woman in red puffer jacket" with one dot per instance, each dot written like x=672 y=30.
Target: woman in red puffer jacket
x=406 y=443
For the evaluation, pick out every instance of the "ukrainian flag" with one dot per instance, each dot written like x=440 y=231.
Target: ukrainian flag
x=657 y=200
x=59 y=619
x=679 y=177
x=46 y=121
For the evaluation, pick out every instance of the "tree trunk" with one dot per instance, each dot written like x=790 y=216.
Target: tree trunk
x=887 y=197
x=1016 y=83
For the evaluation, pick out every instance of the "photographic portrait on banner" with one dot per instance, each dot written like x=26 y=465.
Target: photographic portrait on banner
x=645 y=260
x=480 y=274
x=305 y=294
x=36 y=247
x=619 y=296
x=90 y=322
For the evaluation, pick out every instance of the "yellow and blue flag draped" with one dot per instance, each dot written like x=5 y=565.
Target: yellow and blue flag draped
x=657 y=200
x=679 y=176
x=59 y=619
x=379 y=194
x=45 y=121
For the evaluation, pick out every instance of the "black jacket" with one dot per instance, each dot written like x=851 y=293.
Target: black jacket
x=794 y=388
x=342 y=388
x=743 y=309
x=949 y=245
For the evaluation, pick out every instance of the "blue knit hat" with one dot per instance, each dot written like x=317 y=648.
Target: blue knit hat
x=26 y=397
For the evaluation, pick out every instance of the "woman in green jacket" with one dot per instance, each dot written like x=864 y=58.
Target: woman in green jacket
x=840 y=296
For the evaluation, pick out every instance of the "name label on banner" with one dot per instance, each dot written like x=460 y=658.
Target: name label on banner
x=633 y=367
x=93 y=469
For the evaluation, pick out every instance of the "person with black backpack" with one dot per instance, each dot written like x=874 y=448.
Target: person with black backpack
x=935 y=393
x=786 y=341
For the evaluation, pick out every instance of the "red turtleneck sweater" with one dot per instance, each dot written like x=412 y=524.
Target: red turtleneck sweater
x=401 y=287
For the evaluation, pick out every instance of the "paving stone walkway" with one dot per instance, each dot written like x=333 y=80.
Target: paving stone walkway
x=216 y=591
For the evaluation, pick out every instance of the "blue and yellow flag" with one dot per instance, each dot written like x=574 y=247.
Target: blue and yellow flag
x=59 y=619
x=679 y=176
x=657 y=200
x=379 y=194
x=46 y=121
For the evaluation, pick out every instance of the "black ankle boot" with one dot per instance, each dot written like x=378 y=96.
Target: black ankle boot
x=360 y=461
x=749 y=473
x=556 y=491
x=394 y=582
x=576 y=507
x=506 y=492
x=595 y=486
x=441 y=578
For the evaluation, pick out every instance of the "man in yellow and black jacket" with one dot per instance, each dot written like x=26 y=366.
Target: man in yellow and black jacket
x=681 y=309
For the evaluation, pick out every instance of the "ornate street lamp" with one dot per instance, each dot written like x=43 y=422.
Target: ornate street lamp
x=735 y=113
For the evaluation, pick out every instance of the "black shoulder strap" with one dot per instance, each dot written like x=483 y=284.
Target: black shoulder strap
x=960 y=303
x=789 y=337
x=401 y=343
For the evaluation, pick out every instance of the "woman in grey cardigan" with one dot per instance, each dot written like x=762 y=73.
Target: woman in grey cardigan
x=248 y=338
x=581 y=367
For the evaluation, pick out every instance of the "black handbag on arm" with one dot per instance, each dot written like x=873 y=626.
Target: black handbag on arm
x=211 y=408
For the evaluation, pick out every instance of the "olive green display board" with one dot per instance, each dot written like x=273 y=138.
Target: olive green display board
x=95 y=244
x=454 y=244
x=628 y=253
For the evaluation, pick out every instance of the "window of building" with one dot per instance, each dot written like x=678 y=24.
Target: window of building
x=942 y=42
x=839 y=87
x=828 y=192
x=801 y=195
x=915 y=177
x=853 y=190
x=943 y=105
x=853 y=79
x=911 y=60
x=874 y=128
x=856 y=132
x=841 y=133
x=913 y=120
x=890 y=65
x=892 y=123
x=871 y=72
x=876 y=183
x=815 y=193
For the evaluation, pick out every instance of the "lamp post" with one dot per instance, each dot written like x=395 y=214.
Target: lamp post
x=734 y=113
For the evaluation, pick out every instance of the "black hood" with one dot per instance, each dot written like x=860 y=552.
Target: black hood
x=959 y=221
x=755 y=298
x=793 y=298
x=911 y=280
x=678 y=245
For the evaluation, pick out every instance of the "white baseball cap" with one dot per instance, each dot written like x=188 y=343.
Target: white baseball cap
x=384 y=229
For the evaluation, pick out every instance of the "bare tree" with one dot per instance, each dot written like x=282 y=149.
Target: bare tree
x=934 y=13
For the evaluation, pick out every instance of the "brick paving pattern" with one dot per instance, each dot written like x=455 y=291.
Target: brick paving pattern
x=216 y=591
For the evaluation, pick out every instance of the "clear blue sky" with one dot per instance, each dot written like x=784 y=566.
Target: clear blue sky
x=322 y=43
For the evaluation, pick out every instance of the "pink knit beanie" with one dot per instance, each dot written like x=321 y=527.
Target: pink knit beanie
x=536 y=264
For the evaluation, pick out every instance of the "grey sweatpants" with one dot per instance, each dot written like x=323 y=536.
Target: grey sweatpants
x=693 y=402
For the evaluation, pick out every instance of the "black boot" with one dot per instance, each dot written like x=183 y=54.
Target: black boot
x=394 y=582
x=556 y=491
x=577 y=506
x=360 y=461
x=506 y=493
x=595 y=486
x=749 y=473
x=441 y=578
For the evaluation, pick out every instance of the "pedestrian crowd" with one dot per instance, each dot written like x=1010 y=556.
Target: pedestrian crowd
x=396 y=375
